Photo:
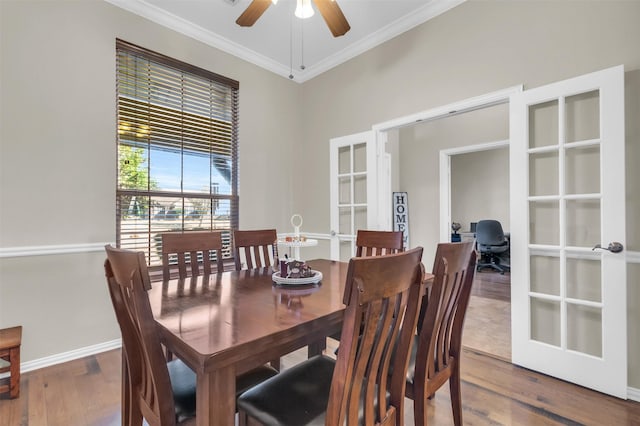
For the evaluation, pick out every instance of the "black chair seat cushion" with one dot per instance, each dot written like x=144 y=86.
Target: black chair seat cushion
x=494 y=248
x=183 y=385
x=411 y=369
x=295 y=397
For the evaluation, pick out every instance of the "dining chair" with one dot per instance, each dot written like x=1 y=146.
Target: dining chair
x=193 y=243
x=354 y=389
x=163 y=393
x=435 y=357
x=376 y=243
x=259 y=248
x=10 y=342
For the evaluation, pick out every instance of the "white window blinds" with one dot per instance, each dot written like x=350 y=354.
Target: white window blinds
x=177 y=150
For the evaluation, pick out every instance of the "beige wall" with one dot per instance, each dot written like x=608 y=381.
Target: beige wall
x=58 y=157
x=475 y=48
x=420 y=147
x=480 y=187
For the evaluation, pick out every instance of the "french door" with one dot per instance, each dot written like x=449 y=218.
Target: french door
x=568 y=230
x=352 y=190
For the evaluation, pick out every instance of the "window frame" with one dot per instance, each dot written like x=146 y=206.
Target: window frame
x=212 y=196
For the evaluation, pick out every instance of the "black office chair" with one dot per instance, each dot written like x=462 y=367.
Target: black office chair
x=492 y=245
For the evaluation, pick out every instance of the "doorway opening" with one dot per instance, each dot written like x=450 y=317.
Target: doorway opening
x=476 y=179
x=409 y=160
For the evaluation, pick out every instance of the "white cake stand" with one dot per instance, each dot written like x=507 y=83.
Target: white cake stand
x=296 y=222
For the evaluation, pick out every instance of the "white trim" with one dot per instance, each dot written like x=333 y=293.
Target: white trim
x=454 y=108
x=181 y=25
x=633 y=394
x=445 y=196
x=68 y=356
x=476 y=148
x=51 y=249
x=384 y=184
x=633 y=257
x=445 y=180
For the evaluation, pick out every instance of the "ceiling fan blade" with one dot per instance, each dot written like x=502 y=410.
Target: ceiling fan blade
x=333 y=16
x=253 y=12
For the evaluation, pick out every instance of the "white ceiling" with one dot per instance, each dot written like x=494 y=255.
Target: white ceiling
x=281 y=43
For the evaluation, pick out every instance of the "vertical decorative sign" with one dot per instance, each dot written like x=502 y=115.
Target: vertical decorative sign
x=401 y=216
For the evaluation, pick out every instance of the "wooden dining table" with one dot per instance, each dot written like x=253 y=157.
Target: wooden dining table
x=225 y=324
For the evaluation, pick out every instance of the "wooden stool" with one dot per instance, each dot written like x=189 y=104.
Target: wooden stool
x=10 y=340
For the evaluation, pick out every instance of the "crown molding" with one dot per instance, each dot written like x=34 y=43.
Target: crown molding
x=178 y=24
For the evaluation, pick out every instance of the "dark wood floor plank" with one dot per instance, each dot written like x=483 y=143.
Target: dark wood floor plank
x=103 y=380
x=35 y=401
x=64 y=404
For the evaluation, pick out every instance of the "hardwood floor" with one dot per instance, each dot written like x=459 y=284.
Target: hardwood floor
x=492 y=285
x=494 y=392
x=487 y=326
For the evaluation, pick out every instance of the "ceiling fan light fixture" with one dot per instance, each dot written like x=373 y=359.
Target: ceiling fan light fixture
x=304 y=9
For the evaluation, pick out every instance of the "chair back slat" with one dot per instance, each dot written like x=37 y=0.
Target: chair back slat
x=378 y=243
x=384 y=305
x=375 y=243
x=259 y=248
x=150 y=386
x=192 y=243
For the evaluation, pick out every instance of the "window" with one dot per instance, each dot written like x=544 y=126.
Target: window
x=177 y=150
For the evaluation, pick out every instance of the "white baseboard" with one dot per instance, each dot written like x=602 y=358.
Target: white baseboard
x=70 y=355
x=633 y=394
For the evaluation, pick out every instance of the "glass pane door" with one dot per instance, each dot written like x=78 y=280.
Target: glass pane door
x=567 y=194
x=350 y=188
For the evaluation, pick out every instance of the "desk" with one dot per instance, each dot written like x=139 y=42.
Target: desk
x=467 y=236
x=229 y=323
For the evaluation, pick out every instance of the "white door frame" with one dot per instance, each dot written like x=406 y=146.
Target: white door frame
x=445 y=180
x=381 y=129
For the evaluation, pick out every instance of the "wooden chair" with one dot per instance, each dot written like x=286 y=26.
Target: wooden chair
x=162 y=393
x=376 y=243
x=436 y=357
x=192 y=242
x=355 y=389
x=260 y=248
x=10 y=341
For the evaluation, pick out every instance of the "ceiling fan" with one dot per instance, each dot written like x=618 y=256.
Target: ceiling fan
x=329 y=10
